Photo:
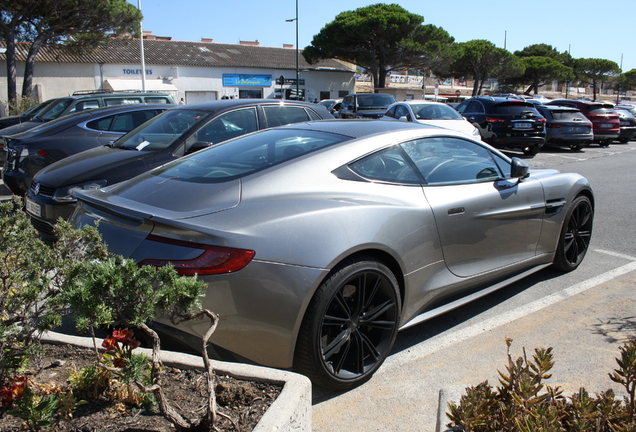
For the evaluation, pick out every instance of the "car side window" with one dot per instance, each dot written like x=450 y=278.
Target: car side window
x=282 y=115
x=389 y=165
x=225 y=126
x=391 y=112
x=124 y=122
x=313 y=115
x=122 y=101
x=85 y=105
x=401 y=111
x=448 y=160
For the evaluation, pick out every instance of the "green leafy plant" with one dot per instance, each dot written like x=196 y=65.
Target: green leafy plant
x=31 y=277
x=524 y=403
x=118 y=292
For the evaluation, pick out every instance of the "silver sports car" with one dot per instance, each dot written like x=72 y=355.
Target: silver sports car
x=320 y=240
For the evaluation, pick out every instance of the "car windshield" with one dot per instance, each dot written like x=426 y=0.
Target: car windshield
x=54 y=110
x=515 y=109
x=246 y=155
x=375 y=102
x=601 y=109
x=567 y=115
x=435 y=112
x=162 y=131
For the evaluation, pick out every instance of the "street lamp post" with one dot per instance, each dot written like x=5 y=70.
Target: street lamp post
x=297 y=51
x=141 y=44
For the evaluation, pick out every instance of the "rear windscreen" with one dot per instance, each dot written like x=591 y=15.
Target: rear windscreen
x=514 y=109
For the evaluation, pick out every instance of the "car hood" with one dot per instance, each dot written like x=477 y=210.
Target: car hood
x=102 y=163
x=155 y=197
x=19 y=128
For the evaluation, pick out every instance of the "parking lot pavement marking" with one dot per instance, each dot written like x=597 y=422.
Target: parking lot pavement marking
x=445 y=340
x=615 y=254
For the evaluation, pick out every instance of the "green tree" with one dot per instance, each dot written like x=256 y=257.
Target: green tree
x=538 y=70
x=481 y=59
x=596 y=71
x=380 y=38
x=625 y=81
x=543 y=63
x=74 y=23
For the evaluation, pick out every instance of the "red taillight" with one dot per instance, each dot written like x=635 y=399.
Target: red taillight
x=541 y=120
x=212 y=260
x=495 y=120
x=42 y=152
x=554 y=126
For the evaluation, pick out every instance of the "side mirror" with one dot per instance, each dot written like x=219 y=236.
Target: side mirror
x=519 y=168
x=199 y=145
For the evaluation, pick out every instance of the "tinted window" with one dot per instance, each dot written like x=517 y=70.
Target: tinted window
x=85 y=105
x=601 y=109
x=447 y=160
x=156 y=99
x=375 y=101
x=401 y=111
x=435 y=112
x=313 y=115
x=567 y=115
x=163 y=130
x=247 y=155
x=225 y=126
x=514 y=109
x=387 y=165
x=124 y=122
x=282 y=115
x=54 y=110
x=122 y=101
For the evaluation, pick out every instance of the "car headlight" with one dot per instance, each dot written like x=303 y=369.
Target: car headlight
x=65 y=194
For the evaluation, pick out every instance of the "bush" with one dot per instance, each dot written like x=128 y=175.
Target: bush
x=523 y=403
x=31 y=277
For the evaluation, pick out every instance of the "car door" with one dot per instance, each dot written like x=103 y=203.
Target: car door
x=485 y=221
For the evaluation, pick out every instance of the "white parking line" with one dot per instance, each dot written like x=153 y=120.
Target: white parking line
x=445 y=340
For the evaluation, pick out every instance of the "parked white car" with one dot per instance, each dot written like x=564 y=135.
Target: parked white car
x=431 y=113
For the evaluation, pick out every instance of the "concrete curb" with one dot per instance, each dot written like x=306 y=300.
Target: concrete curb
x=290 y=412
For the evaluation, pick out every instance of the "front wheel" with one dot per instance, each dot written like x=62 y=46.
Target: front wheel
x=576 y=234
x=350 y=325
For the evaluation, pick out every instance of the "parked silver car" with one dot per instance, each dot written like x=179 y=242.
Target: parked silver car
x=320 y=240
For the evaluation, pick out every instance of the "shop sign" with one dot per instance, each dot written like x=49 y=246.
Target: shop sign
x=233 y=80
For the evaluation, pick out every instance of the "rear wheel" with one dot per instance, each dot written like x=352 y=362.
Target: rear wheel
x=576 y=147
x=575 y=235
x=350 y=325
x=623 y=140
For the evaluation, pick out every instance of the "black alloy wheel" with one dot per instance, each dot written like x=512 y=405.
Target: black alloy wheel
x=350 y=325
x=575 y=235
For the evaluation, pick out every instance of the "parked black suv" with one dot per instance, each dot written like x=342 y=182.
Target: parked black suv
x=506 y=122
x=365 y=105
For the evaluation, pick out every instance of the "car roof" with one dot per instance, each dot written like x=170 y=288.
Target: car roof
x=558 y=108
x=359 y=128
x=494 y=100
x=232 y=103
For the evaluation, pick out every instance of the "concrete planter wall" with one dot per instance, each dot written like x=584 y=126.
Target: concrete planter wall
x=290 y=412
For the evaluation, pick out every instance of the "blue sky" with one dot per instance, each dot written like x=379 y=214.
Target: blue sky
x=588 y=28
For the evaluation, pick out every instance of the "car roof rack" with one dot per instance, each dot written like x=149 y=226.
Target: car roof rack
x=90 y=92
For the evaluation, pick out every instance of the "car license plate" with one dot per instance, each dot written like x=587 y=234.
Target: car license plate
x=523 y=126
x=624 y=123
x=34 y=208
x=606 y=125
x=577 y=129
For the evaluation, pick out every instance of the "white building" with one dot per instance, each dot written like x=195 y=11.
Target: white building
x=196 y=71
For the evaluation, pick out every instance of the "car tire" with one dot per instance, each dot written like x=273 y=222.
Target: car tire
x=623 y=140
x=576 y=147
x=350 y=325
x=576 y=233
